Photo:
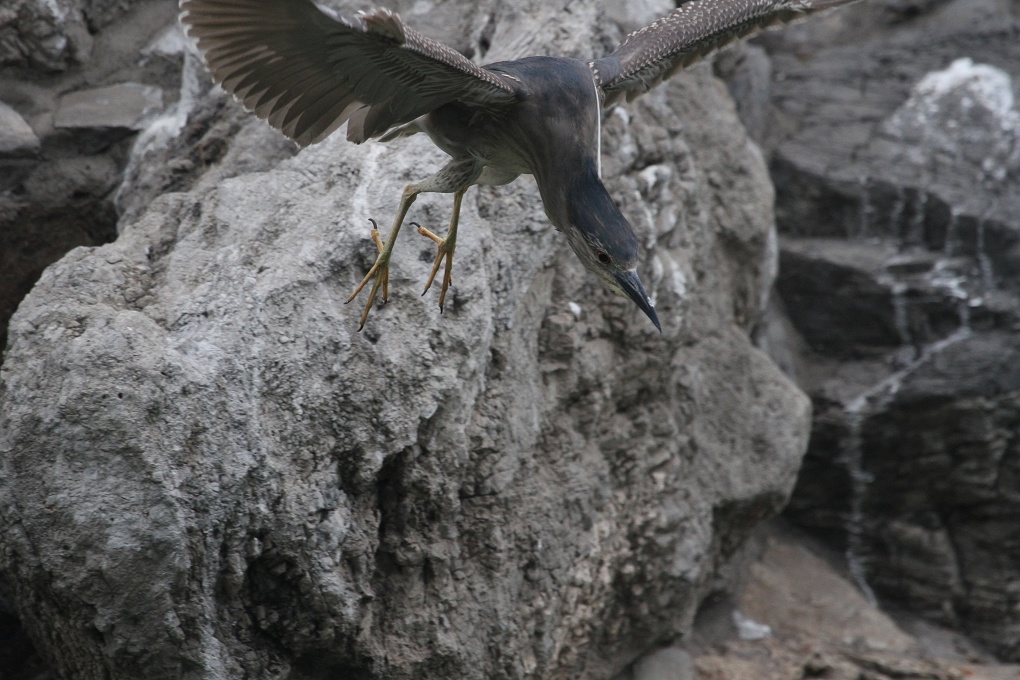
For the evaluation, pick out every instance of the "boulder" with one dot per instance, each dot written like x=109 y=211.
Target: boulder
x=124 y=105
x=207 y=472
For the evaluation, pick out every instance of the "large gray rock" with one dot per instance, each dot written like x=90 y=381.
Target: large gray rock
x=124 y=105
x=206 y=472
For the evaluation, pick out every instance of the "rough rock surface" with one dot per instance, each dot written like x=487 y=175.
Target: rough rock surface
x=58 y=185
x=206 y=472
x=896 y=157
x=798 y=614
x=125 y=105
x=46 y=35
x=52 y=35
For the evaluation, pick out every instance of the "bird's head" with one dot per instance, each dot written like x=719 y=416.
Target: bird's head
x=606 y=244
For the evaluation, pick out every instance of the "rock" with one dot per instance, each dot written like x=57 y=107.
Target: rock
x=825 y=627
x=747 y=70
x=895 y=161
x=45 y=34
x=58 y=205
x=631 y=16
x=671 y=663
x=125 y=105
x=204 y=134
x=18 y=657
x=52 y=35
x=944 y=543
x=16 y=137
x=61 y=194
x=206 y=472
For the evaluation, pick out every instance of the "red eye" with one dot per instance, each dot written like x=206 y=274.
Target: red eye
x=603 y=257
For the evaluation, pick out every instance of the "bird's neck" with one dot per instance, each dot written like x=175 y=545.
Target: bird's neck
x=588 y=200
x=584 y=208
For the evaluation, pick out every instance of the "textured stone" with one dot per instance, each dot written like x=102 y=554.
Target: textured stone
x=665 y=664
x=206 y=472
x=16 y=137
x=896 y=163
x=823 y=626
x=44 y=34
x=125 y=105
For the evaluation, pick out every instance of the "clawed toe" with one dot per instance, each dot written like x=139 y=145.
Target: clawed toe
x=380 y=272
x=444 y=250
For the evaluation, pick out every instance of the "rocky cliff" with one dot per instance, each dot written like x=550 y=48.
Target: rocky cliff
x=895 y=152
x=207 y=472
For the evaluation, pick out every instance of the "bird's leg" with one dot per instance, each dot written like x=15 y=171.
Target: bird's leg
x=377 y=240
x=380 y=271
x=444 y=249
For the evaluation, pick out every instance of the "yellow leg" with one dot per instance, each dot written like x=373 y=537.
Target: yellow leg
x=380 y=271
x=377 y=239
x=444 y=249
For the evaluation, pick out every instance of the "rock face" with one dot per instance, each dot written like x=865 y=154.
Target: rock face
x=797 y=614
x=897 y=163
x=63 y=154
x=206 y=472
x=52 y=35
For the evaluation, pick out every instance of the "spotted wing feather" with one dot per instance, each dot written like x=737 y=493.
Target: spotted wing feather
x=689 y=33
x=307 y=71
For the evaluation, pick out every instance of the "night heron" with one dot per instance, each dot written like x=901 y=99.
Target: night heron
x=307 y=71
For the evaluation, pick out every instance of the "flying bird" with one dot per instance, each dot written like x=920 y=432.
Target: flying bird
x=308 y=70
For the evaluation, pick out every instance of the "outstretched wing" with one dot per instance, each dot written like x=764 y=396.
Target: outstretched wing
x=307 y=72
x=690 y=32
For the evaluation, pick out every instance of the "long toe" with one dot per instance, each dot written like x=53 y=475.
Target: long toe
x=379 y=275
x=441 y=252
x=447 y=280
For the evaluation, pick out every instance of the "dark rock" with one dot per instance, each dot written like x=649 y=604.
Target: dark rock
x=44 y=34
x=25 y=253
x=940 y=514
x=18 y=656
x=747 y=70
x=895 y=162
x=879 y=151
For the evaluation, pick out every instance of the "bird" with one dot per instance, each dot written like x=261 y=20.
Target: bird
x=308 y=70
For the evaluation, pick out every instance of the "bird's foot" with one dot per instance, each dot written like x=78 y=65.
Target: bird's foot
x=380 y=272
x=444 y=250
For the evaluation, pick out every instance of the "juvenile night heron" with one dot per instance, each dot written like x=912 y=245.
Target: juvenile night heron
x=307 y=71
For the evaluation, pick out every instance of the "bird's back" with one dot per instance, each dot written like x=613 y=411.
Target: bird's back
x=554 y=126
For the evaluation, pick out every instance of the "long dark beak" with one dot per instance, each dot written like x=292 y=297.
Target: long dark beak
x=631 y=285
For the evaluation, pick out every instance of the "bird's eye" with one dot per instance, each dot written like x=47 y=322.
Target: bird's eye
x=603 y=257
